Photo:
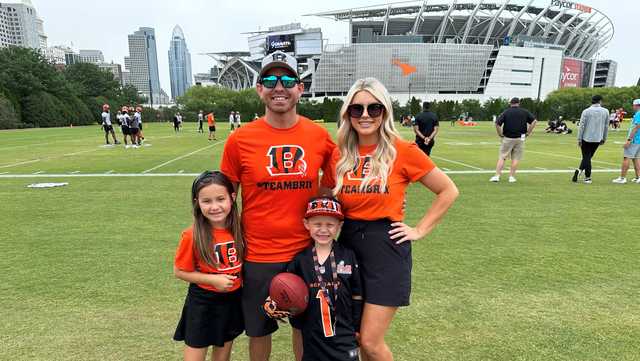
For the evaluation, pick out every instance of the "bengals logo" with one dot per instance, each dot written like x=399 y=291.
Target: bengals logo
x=286 y=160
x=361 y=170
x=227 y=256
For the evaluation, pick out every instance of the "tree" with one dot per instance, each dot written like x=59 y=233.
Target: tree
x=414 y=106
x=8 y=116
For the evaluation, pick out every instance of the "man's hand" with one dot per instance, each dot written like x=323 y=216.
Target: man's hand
x=579 y=144
x=270 y=308
x=602 y=142
x=626 y=144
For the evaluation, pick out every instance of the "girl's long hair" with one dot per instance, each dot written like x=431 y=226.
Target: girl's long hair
x=382 y=159
x=202 y=236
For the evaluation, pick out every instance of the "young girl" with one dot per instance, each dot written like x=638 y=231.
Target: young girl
x=209 y=257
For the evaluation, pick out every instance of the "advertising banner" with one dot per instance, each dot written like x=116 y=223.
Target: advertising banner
x=571 y=74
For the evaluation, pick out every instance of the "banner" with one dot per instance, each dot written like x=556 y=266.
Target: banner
x=571 y=74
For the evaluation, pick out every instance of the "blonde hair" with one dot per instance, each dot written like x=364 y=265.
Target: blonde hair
x=385 y=154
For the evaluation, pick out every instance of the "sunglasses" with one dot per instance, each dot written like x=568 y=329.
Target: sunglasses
x=357 y=110
x=272 y=80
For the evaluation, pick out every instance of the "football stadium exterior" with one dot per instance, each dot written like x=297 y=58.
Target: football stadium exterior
x=441 y=50
x=464 y=49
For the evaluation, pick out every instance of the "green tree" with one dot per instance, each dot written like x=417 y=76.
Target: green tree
x=8 y=116
x=414 y=106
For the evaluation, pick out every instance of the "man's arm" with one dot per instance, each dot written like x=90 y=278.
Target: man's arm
x=499 y=130
x=605 y=133
x=416 y=130
x=531 y=127
x=632 y=135
x=581 y=126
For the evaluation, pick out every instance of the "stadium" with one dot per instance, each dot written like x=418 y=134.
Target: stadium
x=445 y=51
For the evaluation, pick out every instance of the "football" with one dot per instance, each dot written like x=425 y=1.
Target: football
x=289 y=292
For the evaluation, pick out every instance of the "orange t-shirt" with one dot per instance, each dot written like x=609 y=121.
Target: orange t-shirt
x=210 y=119
x=188 y=260
x=278 y=172
x=373 y=203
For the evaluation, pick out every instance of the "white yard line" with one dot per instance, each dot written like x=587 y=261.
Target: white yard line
x=38 y=172
x=181 y=157
x=105 y=175
x=3 y=173
x=445 y=169
x=20 y=163
x=541 y=168
x=109 y=172
x=181 y=171
x=80 y=152
x=75 y=172
x=568 y=157
x=456 y=162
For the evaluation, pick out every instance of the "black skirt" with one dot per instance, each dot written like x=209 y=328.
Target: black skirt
x=385 y=266
x=210 y=318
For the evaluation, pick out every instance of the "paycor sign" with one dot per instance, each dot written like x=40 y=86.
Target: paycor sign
x=571 y=74
x=571 y=5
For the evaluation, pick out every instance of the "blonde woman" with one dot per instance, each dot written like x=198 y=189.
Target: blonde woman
x=373 y=167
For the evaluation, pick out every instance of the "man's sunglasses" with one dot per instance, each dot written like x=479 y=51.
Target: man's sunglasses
x=272 y=80
x=357 y=110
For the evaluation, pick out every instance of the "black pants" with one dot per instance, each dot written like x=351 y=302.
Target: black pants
x=588 y=151
x=426 y=147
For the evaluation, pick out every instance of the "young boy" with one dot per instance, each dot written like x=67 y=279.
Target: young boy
x=332 y=319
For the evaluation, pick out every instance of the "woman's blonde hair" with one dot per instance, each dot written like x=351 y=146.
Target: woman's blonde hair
x=382 y=159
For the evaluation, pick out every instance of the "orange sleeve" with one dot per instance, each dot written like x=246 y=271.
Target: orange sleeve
x=185 y=260
x=231 y=165
x=329 y=165
x=415 y=164
x=329 y=171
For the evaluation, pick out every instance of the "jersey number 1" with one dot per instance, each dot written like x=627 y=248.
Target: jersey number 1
x=325 y=313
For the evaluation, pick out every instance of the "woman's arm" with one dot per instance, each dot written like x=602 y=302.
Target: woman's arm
x=221 y=282
x=446 y=193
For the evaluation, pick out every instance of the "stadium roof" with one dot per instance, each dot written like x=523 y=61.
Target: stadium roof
x=580 y=29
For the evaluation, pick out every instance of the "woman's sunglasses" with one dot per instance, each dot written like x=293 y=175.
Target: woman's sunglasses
x=357 y=110
x=272 y=80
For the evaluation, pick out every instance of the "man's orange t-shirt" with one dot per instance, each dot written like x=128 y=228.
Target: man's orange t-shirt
x=188 y=260
x=210 y=119
x=374 y=203
x=278 y=171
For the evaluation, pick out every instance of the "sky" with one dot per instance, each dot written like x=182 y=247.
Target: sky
x=218 y=25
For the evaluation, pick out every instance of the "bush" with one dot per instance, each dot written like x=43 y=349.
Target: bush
x=45 y=110
x=8 y=116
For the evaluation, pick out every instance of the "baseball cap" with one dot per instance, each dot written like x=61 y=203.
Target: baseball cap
x=515 y=101
x=324 y=206
x=278 y=59
x=636 y=102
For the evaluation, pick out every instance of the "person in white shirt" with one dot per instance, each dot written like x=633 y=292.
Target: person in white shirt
x=200 y=121
x=232 y=121
x=107 y=126
x=236 y=120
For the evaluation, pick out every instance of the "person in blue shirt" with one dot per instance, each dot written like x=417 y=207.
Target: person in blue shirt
x=632 y=148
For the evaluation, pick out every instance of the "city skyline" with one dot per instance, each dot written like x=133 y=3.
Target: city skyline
x=225 y=29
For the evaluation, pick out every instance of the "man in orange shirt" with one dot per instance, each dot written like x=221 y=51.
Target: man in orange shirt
x=212 y=126
x=276 y=161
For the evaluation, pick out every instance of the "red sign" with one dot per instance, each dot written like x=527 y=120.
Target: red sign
x=571 y=74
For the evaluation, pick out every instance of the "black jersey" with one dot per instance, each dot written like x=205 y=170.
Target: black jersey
x=329 y=332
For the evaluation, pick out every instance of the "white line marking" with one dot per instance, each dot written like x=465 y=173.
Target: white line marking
x=20 y=163
x=75 y=172
x=4 y=173
x=181 y=171
x=445 y=169
x=181 y=157
x=541 y=168
x=456 y=162
x=99 y=175
x=568 y=157
x=108 y=172
x=80 y=152
x=38 y=172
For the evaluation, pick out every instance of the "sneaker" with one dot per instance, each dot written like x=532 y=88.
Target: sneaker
x=588 y=181
x=620 y=180
x=512 y=179
x=127 y=146
x=576 y=173
x=636 y=180
x=495 y=178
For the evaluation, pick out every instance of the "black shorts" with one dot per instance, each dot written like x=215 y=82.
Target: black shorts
x=140 y=126
x=256 y=280
x=385 y=267
x=212 y=128
x=125 y=130
x=426 y=148
x=107 y=128
x=210 y=318
x=134 y=131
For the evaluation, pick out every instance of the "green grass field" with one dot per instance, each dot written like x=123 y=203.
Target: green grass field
x=543 y=269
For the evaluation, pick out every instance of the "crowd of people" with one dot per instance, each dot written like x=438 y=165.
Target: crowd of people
x=130 y=125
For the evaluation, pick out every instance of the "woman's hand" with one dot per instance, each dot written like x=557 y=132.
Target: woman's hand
x=404 y=232
x=221 y=281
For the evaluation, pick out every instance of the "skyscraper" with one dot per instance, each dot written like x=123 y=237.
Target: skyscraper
x=21 y=26
x=179 y=63
x=142 y=64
